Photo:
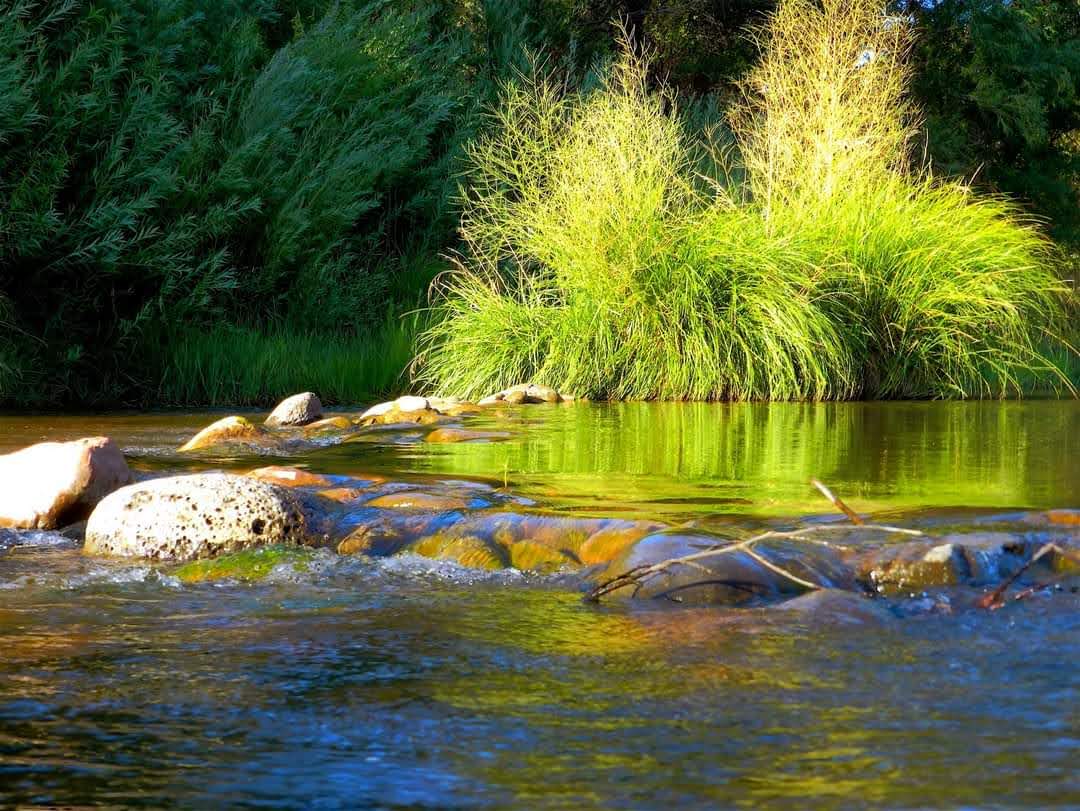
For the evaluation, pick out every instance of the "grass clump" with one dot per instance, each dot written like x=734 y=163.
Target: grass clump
x=600 y=258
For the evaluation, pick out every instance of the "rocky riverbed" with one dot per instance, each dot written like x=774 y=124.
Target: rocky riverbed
x=223 y=516
x=355 y=615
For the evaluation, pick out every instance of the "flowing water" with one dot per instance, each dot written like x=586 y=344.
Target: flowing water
x=409 y=683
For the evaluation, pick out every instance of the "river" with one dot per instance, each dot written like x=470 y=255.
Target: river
x=409 y=683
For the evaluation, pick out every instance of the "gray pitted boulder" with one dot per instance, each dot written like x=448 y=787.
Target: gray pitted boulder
x=730 y=578
x=51 y=484
x=300 y=409
x=198 y=516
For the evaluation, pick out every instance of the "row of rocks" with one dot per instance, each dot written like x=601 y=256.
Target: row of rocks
x=51 y=484
x=305 y=411
x=204 y=516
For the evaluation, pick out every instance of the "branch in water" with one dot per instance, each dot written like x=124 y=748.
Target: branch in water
x=639 y=575
x=836 y=502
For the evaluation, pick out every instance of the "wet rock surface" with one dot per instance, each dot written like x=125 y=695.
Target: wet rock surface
x=973 y=560
x=227 y=430
x=51 y=484
x=300 y=409
x=733 y=578
x=526 y=393
x=197 y=516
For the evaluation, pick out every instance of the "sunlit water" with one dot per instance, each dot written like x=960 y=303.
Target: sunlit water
x=407 y=683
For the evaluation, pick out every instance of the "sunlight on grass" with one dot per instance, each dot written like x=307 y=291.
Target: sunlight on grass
x=600 y=259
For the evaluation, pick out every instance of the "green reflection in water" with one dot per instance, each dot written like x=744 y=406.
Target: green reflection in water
x=669 y=459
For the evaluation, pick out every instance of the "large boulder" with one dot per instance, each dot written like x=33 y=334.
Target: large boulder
x=226 y=430
x=197 y=516
x=730 y=578
x=51 y=484
x=300 y=409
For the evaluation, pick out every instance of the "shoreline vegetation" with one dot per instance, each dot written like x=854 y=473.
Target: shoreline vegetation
x=610 y=252
x=218 y=203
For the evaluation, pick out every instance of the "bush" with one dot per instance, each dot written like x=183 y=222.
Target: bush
x=598 y=260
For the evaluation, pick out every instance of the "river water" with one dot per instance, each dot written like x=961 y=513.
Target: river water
x=409 y=683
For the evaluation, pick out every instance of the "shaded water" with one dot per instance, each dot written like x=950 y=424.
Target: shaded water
x=409 y=683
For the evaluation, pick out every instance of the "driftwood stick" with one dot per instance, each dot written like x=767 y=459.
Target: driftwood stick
x=836 y=502
x=996 y=598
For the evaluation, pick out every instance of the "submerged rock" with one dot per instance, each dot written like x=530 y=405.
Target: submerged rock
x=247 y=565
x=51 y=484
x=730 y=578
x=300 y=409
x=837 y=607
x=974 y=560
x=337 y=423
x=418 y=500
x=467 y=550
x=197 y=516
x=442 y=436
x=290 y=477
x=375 y=540
x=227 y=429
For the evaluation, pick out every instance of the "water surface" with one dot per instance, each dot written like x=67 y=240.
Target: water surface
x=407 y=683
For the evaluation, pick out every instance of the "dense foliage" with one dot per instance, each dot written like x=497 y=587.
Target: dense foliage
x=599 y=259
x=165 y=166
x=176 y=173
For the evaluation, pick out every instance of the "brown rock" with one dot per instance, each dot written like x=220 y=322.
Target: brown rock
x=608 y=543
x=977 y=559
x=418 y=500
x=290 y=477
x=337 y=423
x=449 y=435
x=51 y=484
x=227 y=429
x=467 y=550
x=538 y=557
x=374 y=540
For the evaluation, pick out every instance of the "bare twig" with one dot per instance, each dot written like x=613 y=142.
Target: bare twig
x=836 y=502
x=996 y=598
x=639 y=575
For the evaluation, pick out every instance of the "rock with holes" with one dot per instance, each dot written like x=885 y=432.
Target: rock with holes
x=52 y=484
x=300 y=409
x=198 y=516
x=729 y=578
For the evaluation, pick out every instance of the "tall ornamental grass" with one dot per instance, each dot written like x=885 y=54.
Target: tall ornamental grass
x=600 y=258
